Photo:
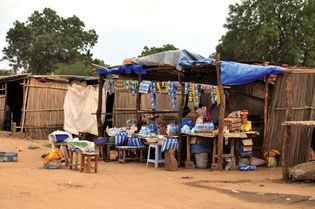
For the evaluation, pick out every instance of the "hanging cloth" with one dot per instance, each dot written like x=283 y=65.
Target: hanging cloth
x=197 y=94
x=186 y=88
x=110 y=87
x=133 y=87
x=153 y=95
x=144 y=87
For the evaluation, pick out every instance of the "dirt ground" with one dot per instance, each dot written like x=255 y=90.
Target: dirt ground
x=26 y=185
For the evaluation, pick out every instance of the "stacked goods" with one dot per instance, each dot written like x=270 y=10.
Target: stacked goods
x=237 y=121
x=246 y=125
x=204 y=127
x=233 y=124
x=244 y=114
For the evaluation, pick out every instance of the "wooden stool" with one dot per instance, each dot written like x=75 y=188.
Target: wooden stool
x=88 y=157
x=74 y=162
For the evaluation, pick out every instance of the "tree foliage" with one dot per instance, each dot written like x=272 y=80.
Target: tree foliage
x=46 y=39
x=152 y=50
x=271 y=30
x=80 y=66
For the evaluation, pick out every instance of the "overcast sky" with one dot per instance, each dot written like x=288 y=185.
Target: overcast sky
x=126 y=26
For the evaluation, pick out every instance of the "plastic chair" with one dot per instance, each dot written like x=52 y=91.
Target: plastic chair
x=157 y=156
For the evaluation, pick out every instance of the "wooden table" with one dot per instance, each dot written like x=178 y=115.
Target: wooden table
x=230 y=138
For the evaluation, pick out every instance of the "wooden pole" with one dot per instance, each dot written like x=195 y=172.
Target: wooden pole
x=287 y=133
x=180 y=116
x=221 y=114
x=99 y=106
x=266 y=95
x=138 y=104
x=26 y=89
x=181 y=101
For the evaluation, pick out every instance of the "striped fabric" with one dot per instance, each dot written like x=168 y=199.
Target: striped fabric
x=247 y=167
x=169 y=143
x=144 y=87
x=121 y=139
x=134 y=142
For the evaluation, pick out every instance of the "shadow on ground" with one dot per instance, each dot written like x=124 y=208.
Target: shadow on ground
x=256 y=197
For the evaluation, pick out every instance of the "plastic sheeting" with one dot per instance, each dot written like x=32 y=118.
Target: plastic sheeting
x=80 y=106
x=172 y=58
x=232 y=73
x=124 y=69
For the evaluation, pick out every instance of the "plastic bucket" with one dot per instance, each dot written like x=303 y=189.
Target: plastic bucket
x=201 y=160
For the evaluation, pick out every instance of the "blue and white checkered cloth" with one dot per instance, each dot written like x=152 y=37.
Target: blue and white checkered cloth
x=144 y=87
x=169 y=143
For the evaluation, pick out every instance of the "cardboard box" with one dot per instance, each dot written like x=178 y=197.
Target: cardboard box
x=247 y=145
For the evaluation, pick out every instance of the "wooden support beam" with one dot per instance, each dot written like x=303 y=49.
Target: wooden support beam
x=138 y=104
x=309 y=123
x=296 y=108
x=180 y=115
x=221 y=114
x=266 y=95
x=45 y=87
x=181 y=101
x=25 y=97
x=45 y=110
x=99 y=106
x=287 y=133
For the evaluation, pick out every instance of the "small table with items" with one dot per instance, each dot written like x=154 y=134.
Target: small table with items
x=229 y=138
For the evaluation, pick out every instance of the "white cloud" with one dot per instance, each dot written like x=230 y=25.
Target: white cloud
x=125 y=27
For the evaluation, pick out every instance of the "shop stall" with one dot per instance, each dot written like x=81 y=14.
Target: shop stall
x=184 y=72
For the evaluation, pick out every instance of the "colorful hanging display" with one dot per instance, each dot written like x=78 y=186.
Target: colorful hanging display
x=120 y=85
x=153 y=95
x=197 y=94
x=191 y=93
x=115 y=86
x=165 y=86
x=172 y=93
x=134 y=87
x=110 y=87
x=187 y=88
x=158 y=86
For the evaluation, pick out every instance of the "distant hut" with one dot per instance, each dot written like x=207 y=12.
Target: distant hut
x=34 y=103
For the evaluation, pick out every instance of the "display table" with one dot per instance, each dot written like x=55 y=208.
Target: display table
x=229 y=138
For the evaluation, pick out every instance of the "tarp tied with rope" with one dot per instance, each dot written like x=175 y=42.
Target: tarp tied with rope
x=232 y=73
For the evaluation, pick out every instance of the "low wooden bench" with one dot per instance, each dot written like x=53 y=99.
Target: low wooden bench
x=122 y=153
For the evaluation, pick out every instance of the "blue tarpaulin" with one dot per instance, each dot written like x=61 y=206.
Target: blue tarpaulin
x=124 y=69
x=232 y=73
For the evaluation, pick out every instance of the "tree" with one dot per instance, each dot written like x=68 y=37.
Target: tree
x=152 y=50
x=46 y=39
x=81 y=67
x=271 y=30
